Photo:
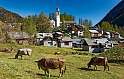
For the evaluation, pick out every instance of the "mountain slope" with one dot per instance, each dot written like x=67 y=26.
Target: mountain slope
x=9 y=16
x=116 y=15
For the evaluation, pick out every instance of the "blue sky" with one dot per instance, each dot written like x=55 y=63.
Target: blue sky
x=94 y=10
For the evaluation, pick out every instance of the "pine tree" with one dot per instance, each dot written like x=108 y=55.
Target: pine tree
x=87 y=23
x=29 y=25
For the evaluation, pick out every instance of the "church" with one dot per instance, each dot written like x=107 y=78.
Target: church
x=55 y=20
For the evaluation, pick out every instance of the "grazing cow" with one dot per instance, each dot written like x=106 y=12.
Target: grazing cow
x=100 y=61
x=24 y=51
x=51 y=63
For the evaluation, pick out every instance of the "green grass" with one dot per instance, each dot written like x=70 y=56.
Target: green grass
x=27 y=69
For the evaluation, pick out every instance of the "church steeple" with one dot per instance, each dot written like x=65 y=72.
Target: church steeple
x=57 y=9
x=57 y=17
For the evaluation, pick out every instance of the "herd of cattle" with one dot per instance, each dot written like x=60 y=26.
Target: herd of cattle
x=53 y=63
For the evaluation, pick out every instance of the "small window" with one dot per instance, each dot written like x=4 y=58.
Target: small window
x=66 y=43
x=40 y=34
x=50 y=43
x=94 y=46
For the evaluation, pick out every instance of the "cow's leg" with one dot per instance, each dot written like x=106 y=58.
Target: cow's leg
x=95 y=67
x=63 y=70
x=21 y=57
x=60 y=73
x=48 y=73
x=16 y=56
x=108 y=67
x=104 y=68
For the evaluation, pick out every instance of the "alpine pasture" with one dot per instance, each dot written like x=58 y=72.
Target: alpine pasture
x=11 y=68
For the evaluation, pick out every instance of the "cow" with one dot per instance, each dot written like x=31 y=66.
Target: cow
x=51 y=63
x=23 y=51
x=100 y=61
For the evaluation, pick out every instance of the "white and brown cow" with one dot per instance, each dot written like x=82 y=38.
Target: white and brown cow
x=98 y=61
x=51 y=63
x=23 y=51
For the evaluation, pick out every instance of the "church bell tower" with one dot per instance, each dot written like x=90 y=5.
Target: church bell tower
x=57 y=17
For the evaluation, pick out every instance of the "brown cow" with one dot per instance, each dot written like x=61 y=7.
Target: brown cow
x=51 y=63
x=100 y=61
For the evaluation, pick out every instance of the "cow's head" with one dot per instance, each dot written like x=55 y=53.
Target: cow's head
x=89 y=65
x=91 y=62
x=41 y=62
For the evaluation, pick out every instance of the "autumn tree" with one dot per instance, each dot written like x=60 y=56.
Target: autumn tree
x=2 y=26
x=43 y=23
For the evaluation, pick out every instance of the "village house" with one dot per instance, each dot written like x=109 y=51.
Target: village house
x=114 y=36
x=80 y=33
x=121 y=39
x=19 y=37
x=41 y=36
x=106 y=35
x=92 y=46
x=94 y=34
x=77 y=43
x=105 y=42
x=48 y=41
x=57 y=35
x=66 y=42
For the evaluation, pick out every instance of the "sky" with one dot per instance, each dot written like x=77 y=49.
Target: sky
x=93 y=10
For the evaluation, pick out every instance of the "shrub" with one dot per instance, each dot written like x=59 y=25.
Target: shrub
x=115 y=54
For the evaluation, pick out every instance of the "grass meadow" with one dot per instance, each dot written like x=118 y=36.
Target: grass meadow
x=26 y=68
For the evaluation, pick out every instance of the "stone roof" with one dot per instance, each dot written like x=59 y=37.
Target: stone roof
x=89 y=41
x=93 y=31
x=18 y=35
x=66 y=39
x=77 y=41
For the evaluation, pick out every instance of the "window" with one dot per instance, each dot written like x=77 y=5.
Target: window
x=66 y=43
x=50 y=43
x=41 y=35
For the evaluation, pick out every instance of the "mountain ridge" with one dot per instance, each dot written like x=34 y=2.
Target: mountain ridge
x=9 y=16
x=115 y=15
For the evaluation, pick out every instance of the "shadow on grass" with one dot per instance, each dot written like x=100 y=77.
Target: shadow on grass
x=19 y=59
x=46 y=75
x=78 y=49
x=11 y=58
x=86 y=69
x=116 y=61
x=30 y=72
